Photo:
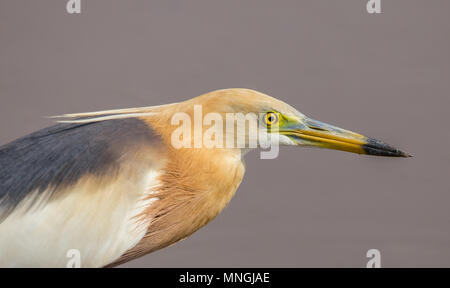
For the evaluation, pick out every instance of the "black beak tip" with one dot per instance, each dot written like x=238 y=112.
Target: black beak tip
x=379 y=148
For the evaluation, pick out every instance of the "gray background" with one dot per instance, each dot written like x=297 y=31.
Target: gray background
x=386 y=76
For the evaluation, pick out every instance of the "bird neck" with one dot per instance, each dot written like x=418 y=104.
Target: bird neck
x=196 y=185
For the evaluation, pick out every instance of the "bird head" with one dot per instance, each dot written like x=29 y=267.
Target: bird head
x=242 y=118
x=283 y=123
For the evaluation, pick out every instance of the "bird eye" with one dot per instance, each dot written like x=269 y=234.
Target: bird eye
x=270 y=118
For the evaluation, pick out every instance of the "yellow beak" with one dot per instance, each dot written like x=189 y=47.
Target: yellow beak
x=314 y=133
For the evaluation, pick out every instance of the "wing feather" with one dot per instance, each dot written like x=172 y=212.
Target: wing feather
x=77 y=186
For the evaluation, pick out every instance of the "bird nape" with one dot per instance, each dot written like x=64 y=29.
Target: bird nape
x=115 y=185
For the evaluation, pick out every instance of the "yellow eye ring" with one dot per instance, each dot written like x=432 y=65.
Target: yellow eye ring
x=270 y=118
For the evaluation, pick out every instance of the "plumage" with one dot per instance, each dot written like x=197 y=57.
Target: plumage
x=71 y=177
x=55 y=157
x=111 y=184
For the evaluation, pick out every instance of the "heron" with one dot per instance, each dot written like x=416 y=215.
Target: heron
x=111 y=184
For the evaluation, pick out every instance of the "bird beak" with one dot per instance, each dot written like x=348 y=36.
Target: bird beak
x=308 y=132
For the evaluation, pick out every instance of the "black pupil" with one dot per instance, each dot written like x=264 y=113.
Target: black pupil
x=271 y=118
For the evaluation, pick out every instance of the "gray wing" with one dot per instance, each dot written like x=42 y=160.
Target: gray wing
x=58 y=156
